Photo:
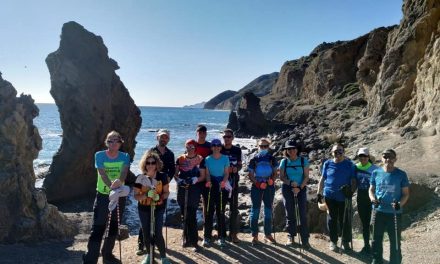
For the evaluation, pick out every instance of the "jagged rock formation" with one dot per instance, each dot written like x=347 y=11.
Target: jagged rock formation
x=211 y=104
x=25 y=213
x=251 y=120
x=92 y=101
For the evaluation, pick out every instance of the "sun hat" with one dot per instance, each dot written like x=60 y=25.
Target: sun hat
x=363 y=151
x=162 y=131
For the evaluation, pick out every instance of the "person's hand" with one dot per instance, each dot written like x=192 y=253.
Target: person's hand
x=293 y=184
x=228 y=186
x=230 y=169
x=160 y=202
x=320 y=197
x=208 y=184
x=179 y=181
x=156 y=197
x=396 y=205
x=270 y=182
x=116 y=184
x=223 y=184
x=234 y=169
x=346 y=190
x=151 y=193
x=296 y=190
x=375 y=202
x=263 y=185
x=194 y=180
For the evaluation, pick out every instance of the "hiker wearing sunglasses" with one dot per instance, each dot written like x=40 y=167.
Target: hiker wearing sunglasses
x=389 y=190
x=262 y=171
x=151 y=190
x=234 y=154
x=217 y=183
x=188 y=192
x=364 y=169
x=294 y=173
x=336 y=186
x=112 y=167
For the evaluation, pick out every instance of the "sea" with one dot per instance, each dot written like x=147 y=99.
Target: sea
x=181 y=122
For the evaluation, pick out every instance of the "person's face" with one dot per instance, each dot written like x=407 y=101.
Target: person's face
x=388 y=159
x=190 y=148
x=201 y=135
x=363 y=159
x=150 y=164
x=264 y=145
x=216 y=148
x=293 y=152
x=227 y=138
x=337 y=151
x=113 y=143
x=163 y=140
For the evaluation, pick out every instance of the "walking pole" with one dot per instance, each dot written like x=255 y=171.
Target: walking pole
x=185 y=214
x=119 y=232
x=343 y=222
x=273 y=222
x=209 y=198
x=152 y=224
x=395 y=229
x=350 y=222
x=166 y=226
x=298 y=220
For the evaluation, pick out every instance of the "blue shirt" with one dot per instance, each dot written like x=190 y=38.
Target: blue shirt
x=336 y=175
x=363 y=177
x=294 y=169
x=217 y=167
x=262 y=165
x=388 y=187
x=112 y=167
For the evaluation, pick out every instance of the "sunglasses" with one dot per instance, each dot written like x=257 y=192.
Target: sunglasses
x=264 y=146
x=150 y=163
x=363 y=156
x=291 y=148
x=387 y=156
x=216 y=145
x=227 y=136
x=113 y=141
x=190 y=147
x=338 y=151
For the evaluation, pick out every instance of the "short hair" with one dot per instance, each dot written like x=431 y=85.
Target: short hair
x=264 y=139
x=201 y=128
x=111 y=134
x=147 y=155
x=228 y=130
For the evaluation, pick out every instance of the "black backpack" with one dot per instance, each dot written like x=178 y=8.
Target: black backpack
x=302 y=166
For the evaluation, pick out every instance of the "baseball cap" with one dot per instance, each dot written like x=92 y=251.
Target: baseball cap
x=290 y=144
x=363 y=151
x=389 y=152
x=162 y=131
x=216 y=141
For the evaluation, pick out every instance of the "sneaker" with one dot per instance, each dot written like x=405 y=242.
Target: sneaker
x=346 y=246
x=289 y=242
x=196 y=248
x=306 y=246
x=269 y=239
x=146 y=259
x=206 y=243
x=141 y=252
x=255 y=240
x=221 y=242
x=332 y=246
x=234 y=239
x=165 y=260
x=110 y=259
x=366 y=250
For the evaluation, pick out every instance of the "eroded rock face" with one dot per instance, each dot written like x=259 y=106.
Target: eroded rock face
x=251 y=120
x=25 y=213
x=92 y=101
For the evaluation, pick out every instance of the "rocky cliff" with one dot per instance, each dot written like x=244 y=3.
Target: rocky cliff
x=212 y=104
x=25 y=213
x=92 y=101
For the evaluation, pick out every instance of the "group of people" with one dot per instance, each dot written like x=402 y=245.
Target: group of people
x=208 y=172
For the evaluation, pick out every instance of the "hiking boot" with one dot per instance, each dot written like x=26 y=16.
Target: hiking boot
x=141 y=252
x=110 y=259
x=234 y=239
x=306 y=246
x=221 y=242
x=366 y=250
x=196 y=248
x=255 y=240
x=269 y=239
x=206 y=243
x=289 y=242
x=146 y=259
x=333 y=247
x=165 y=260
x=346 y=246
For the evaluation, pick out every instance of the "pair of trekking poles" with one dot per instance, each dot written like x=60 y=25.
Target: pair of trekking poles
x=109 y=218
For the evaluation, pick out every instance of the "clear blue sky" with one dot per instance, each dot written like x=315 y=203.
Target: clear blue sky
x=178 y=52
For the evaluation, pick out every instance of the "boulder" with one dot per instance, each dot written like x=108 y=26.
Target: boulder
x=251 y=120
x=25 y=214
x=92 y=101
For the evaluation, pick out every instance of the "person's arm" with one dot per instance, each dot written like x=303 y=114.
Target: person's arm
x=226 y=170
x=353 y=178
x=306 y=177
x=172 y=168
x=405 y=196
x=239 y=162
x=321 y=185
x=372 y=193
x=251 y=169
x=165 y=192
x=104 y=177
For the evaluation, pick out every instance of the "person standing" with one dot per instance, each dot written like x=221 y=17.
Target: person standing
x=262 y=171
x=167 y=157
x=112 y=167
x=235 y=164
x=389 y=191
x=337 y=183
x=152 y=189
x=217 y=174
x=188 y=192
x=294 y=173
x=364 y=169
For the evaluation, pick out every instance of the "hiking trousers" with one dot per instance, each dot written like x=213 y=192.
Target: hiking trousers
x=258 y=196
x=158 y=240
x=335 y=221
x=216 y=205
x=364 y=209
x=190 y=230
x=289 y=205
x=234 y=220
x=385 y=222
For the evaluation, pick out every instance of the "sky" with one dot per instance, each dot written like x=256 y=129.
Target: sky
x=181 y=52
